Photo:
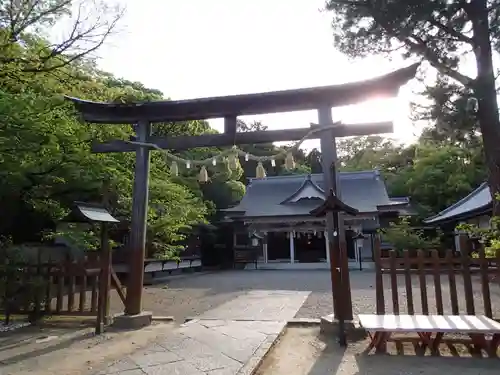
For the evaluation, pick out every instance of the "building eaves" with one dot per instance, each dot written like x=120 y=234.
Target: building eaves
x=477 y=201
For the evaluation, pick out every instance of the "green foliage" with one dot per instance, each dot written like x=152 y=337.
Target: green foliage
x=445 y=34
x=433 y=172
x=367 y=153
x=77 y=236
x=45 y=150
x=489 y=237
x=20 y=286
x=24 y=25
x=52 y=164
x=80 y=237
x=438 y=31
x=405 y=237
x=448 y=113
x=440 y=175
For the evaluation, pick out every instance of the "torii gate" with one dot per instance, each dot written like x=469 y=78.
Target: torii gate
x=321 y=99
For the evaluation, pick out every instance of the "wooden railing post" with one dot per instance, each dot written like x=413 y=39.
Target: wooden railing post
x=450 y=262
x=436 y=269
x=379 y=280
x=485 y=282
x=423 y=282
x=466 y=274
x=394 y=282
x=408 y=283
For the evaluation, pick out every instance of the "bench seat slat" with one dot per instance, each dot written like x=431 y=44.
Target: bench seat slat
x=429 y=323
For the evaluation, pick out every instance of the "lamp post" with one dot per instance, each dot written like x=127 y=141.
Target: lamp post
x=358 y=243
x=98 y=214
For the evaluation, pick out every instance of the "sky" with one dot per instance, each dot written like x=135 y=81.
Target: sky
x=199 y=48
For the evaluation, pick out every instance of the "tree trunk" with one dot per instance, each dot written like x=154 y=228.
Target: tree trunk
x=485 y=92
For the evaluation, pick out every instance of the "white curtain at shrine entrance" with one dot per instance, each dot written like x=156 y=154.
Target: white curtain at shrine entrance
x=305 y=245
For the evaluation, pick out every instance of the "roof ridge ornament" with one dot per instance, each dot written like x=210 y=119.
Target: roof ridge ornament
x=307 y=181
x=333 y=204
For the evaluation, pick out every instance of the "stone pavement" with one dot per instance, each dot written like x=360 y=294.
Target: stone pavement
x=275 y=305
x=228 y=340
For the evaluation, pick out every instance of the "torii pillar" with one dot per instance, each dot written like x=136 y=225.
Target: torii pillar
x=332 y=208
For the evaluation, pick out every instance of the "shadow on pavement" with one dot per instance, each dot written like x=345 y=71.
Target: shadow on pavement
x=330 y=359
x=33 y=341
x=382 y=364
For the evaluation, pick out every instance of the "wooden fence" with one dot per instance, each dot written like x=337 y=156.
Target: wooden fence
x=63 y=288
x=75 y=288
x=455 y=280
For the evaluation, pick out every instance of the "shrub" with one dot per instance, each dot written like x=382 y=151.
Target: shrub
x=488 y=237
x=403 y=236
x=21 y=288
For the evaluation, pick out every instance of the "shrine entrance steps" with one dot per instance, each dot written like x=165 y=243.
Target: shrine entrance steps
x=306 y=266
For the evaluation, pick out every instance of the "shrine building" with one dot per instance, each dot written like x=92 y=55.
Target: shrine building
x=274 y=214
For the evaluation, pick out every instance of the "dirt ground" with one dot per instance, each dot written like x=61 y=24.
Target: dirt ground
x=69 y=348
x=303 y=351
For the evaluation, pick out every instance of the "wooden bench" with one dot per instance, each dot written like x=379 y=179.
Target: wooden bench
x=246 y=256
x=156 y=265
x=431 y=329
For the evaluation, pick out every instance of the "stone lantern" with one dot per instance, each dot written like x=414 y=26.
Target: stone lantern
x=359 y=240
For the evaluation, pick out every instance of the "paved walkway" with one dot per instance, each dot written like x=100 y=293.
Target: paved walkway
x=274 y=305
x=228 y=340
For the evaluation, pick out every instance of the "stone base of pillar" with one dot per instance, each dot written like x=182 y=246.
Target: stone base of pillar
x=138 y=321
x=330 y=326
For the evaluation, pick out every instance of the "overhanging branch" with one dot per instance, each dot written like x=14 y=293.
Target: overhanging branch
x=415 y=43
x=418 y=44
x=451 y=31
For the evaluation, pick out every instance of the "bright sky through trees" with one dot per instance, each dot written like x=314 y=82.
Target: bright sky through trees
x=198 y=48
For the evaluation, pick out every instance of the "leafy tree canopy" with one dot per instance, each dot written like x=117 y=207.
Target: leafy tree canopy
x=45 y=150
x=444 y=34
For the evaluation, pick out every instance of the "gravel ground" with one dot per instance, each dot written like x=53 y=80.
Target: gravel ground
x=190 y=295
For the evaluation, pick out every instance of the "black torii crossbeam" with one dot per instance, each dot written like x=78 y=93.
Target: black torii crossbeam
x=143 y=114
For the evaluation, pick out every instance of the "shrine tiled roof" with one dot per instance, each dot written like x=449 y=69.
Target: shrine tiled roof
x=476 y=202
x=297 y=195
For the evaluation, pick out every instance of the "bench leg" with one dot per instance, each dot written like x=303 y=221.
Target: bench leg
x=378 y=341
x=381 y=346
x=374 y=339
x=421 y=346
x=479 y=342
x=493 y=345
x=436 y=342
x=430 y=342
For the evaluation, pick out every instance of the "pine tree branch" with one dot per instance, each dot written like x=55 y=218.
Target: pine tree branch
x=414 y=43
x=451 y=31
x=418 y=45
